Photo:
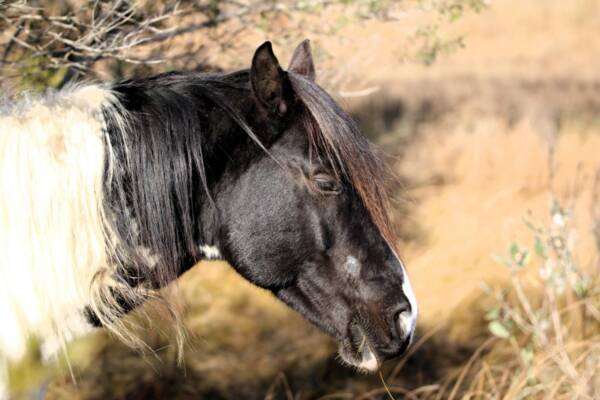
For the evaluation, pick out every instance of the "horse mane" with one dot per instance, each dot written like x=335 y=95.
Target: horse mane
x=156 y=159
x=53 y=226
x=335 y=135
x=159 y=139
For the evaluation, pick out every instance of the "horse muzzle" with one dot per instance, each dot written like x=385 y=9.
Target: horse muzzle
x=367 y=345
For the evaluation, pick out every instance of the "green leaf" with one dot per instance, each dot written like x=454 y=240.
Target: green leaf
x=527 y=355
x=540 y=248
x=493 y=314
x=513 y=250
x=498 y=330
x=524 y=258
x=580 y=287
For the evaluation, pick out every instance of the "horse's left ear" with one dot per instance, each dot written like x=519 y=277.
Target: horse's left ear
x=302 y=61
x=267 y=79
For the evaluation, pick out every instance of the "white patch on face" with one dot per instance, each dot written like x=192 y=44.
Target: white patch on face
x=210 y=252
x=408 y=320
x=353 y=266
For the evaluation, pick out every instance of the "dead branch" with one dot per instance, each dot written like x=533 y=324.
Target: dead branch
x=75 y=34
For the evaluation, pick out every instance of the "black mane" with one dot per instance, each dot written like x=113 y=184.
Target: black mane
x=181 y=131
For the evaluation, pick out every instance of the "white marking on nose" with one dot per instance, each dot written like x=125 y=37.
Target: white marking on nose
x=210 y=252
x=353 y=266
x=410 y=295
x=408 y=319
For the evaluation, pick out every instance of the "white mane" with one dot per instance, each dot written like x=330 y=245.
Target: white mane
x=53 y=235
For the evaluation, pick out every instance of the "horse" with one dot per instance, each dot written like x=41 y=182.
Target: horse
x=109 y=192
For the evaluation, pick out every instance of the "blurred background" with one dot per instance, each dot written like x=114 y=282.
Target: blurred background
x=487 y=111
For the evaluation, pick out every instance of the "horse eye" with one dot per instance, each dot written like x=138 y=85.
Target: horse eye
x=326 y=183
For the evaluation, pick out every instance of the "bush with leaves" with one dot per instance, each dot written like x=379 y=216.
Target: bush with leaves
x=552 y=345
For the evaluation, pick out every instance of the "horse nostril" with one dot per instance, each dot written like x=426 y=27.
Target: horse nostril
x=401 y=320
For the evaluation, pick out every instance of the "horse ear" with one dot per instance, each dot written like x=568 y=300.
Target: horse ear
x=267 y=78
x=302 y=61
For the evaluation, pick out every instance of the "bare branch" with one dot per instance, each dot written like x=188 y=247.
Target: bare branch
x=66 y=34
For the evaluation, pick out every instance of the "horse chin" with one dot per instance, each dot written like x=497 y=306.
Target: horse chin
x=364 y=360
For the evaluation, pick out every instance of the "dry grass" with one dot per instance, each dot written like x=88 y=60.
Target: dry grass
x=544 y=338
x=483 y=139
x=487 y=177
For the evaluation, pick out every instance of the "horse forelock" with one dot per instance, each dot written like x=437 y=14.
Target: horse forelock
x=334 y=135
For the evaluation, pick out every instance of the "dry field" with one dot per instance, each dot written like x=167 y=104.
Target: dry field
x=485 y=141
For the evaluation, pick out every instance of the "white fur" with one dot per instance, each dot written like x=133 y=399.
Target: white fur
x=3 y=380
x=53 y=232
x=210 y=252
x=369 y=362
x=408 y=320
